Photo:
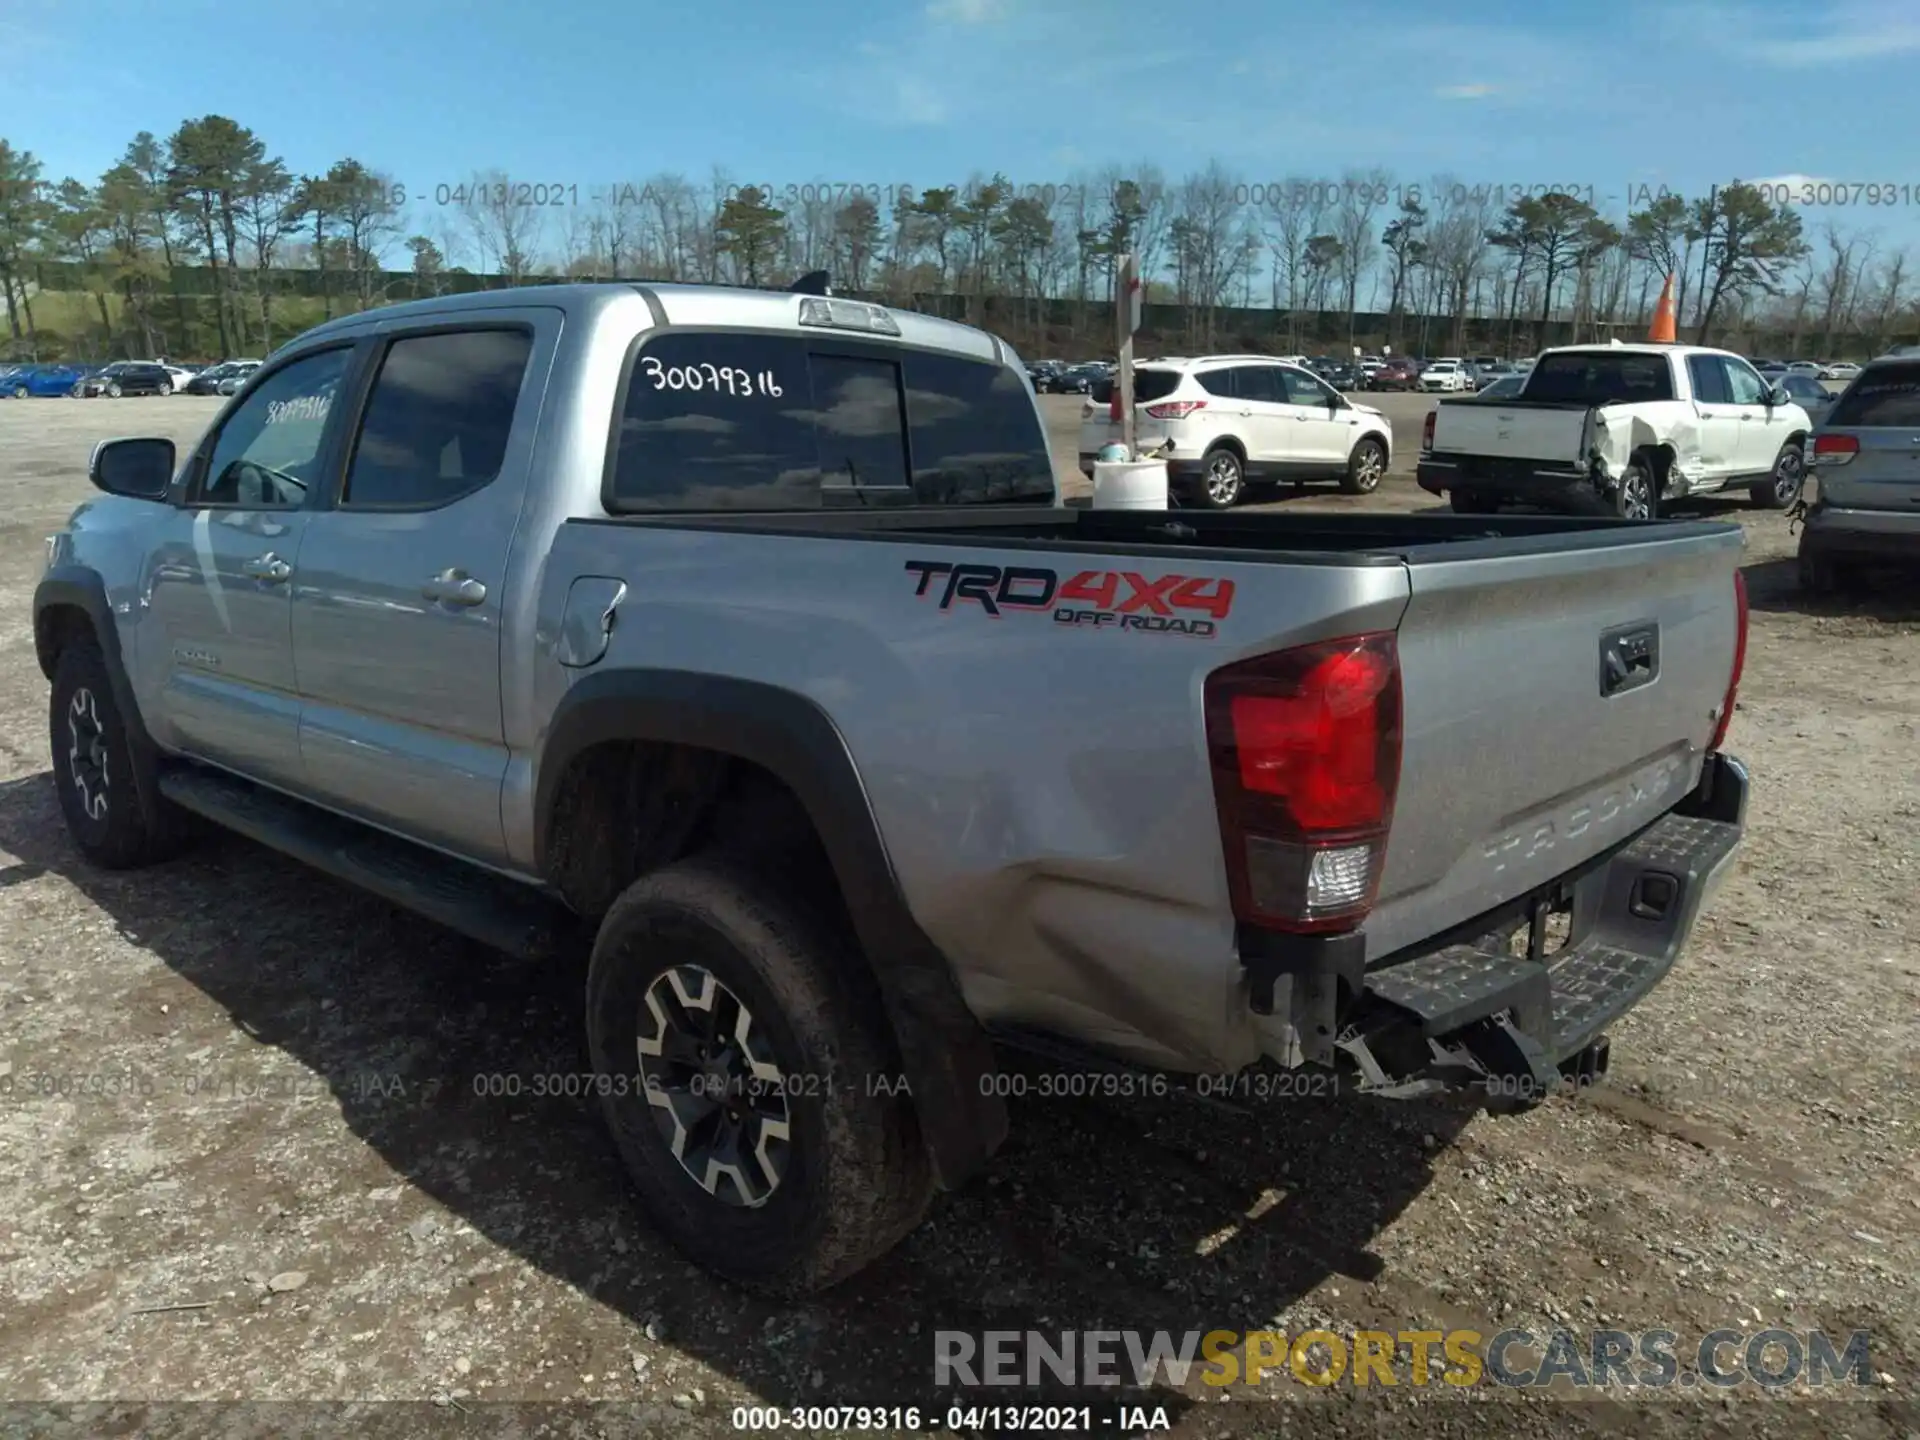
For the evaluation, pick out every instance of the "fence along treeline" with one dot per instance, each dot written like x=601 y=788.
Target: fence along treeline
x=204 y=244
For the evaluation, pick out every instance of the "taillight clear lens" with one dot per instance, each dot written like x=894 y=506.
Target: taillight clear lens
x=1306 y=758
x=1175 y=409
x=1834 y=449
x=1426 y=430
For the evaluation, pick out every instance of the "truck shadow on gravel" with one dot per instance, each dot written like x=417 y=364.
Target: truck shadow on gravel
x=1886 y=594
x=1143 y=1214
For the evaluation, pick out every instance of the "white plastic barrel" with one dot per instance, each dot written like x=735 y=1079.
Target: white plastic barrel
x=1130 y=485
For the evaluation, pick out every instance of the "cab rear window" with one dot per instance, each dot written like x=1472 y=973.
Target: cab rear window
x=1885 y=395
x=745 y=420
x=1601 y=377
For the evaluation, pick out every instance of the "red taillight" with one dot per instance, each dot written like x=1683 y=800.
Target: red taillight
x=1175 y=409
x=1113 y=406
x=1426 y=430
x=1306 y=760
x=1835 y=449
x=1739 y=661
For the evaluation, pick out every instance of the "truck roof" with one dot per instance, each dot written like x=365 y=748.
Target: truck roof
x=1643 y=347
x=675 y=304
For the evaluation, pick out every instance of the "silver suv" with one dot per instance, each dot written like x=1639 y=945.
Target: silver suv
x=1866 y=454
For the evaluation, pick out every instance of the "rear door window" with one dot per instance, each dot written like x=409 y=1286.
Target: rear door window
x=1884 y=395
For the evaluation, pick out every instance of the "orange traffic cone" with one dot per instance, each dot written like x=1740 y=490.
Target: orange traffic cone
x=1662 y=330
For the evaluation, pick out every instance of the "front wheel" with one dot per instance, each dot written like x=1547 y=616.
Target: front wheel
x=1365 y=467
x=93 y=766
x=1223 y=476
x=1783 y=486
x=113 y=392
x=19 y=392
x=745 y=1067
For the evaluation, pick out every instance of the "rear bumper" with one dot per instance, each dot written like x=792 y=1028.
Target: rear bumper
x=1554 y=485
x=1834 y=530
x=1473 y=1012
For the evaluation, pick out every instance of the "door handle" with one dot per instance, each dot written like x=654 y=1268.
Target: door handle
x=454 y=587
x=269 y=567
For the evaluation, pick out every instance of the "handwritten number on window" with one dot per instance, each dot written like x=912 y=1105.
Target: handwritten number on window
x=703 y=376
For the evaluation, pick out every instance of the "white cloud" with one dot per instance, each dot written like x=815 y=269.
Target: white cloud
x=1791 y=182
x=1464 y=92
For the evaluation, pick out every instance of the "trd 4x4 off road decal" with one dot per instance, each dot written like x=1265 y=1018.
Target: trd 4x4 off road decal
x=1101 y=599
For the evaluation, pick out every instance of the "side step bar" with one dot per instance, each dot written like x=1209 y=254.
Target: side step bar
x=492 y=910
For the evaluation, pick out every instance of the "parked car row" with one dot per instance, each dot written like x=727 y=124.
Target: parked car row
x=47 y=380
x=1813 y=369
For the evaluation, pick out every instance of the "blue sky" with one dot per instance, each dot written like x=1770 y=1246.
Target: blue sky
x=1519 y=92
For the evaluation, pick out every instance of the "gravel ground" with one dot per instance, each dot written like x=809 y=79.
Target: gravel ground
x=284 y=1134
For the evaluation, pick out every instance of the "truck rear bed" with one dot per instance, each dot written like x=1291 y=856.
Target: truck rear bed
x=1042 y=774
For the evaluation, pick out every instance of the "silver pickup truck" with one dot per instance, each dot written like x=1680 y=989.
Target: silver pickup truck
x=741 y=635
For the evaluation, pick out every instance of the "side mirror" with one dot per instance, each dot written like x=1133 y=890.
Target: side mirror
x=1776 y=397
x=141 y=469
x=1337 y=401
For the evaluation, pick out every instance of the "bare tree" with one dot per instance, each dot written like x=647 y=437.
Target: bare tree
x=1296 y=210
x=503 y=230
x=1362 y=193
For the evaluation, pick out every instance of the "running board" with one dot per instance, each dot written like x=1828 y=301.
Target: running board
x=492 y=910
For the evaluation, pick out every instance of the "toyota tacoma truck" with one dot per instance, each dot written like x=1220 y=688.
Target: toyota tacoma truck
x=741 y=636
x=1622 y=430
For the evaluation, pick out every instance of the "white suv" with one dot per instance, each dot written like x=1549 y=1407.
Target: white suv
x=1228 y=420
x=1446 y=376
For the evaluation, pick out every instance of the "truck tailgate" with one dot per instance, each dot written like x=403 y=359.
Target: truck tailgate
x=1517 y=763
x=1501 y=430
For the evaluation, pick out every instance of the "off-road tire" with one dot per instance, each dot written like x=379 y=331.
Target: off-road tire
x=857 y=1177
x=106 y=819
x=1365 y=467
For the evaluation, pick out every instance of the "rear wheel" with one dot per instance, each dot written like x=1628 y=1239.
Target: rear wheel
x=166 y=388
x=1634 y=497
x=1365 y=466
x=745 y=1071
x=1783 y=486
x=1223 y=478
x=1472 y=502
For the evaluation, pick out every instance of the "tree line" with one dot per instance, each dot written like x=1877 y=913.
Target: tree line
x=206 y=243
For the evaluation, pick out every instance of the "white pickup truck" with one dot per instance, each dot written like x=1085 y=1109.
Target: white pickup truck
x=1624 y=429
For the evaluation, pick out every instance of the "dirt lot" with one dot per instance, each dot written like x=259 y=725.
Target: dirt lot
x=282 y=1130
